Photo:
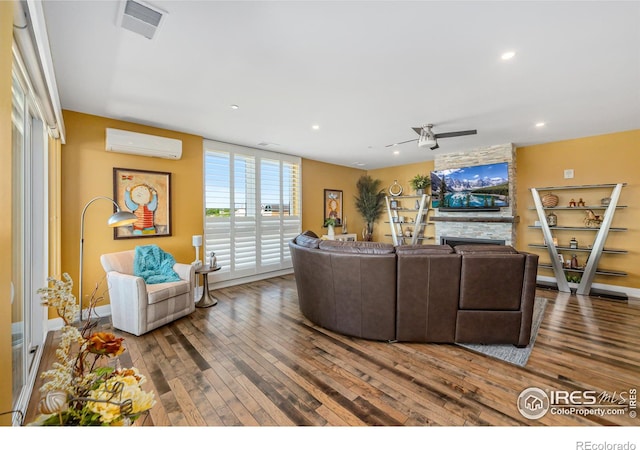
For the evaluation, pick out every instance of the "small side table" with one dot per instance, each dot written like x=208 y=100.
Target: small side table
x=206 y=300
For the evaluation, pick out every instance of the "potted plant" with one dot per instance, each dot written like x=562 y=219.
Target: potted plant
x=369 y=202
x=420 y=183
x=330 y=223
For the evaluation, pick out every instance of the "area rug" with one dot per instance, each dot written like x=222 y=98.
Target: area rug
x=508 y=352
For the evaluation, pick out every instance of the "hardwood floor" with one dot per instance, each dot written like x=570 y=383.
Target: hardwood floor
x=253 y=360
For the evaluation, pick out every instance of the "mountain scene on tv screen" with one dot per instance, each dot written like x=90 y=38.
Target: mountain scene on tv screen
x=473 y=187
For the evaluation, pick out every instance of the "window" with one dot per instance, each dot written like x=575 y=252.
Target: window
x=252 y=209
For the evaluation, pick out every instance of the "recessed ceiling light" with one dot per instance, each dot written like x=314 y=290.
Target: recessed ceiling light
x=396 y=152
x=540 y=124
x=508 y=55
x=234 y=107
x=315 y=127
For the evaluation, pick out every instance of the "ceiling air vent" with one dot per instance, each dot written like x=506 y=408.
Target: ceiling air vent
x=141 y=18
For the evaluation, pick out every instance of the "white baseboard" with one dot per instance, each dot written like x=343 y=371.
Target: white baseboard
x=631 y=292
x=57 y=323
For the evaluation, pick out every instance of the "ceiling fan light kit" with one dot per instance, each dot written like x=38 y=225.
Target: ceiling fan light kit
x=429 y=139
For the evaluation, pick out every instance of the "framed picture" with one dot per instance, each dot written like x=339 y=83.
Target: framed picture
x=146 y=194
x=393 y=204
x=333 y=205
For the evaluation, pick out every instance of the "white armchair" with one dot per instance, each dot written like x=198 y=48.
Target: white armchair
x=137 y=307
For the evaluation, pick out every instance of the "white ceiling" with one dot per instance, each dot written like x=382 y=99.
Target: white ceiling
x=366 y=72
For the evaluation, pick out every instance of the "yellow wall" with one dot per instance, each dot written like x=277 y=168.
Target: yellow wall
x=6 y=37
x=318 y=176
x=611 y=158
x=403 y=174
x=87 y=172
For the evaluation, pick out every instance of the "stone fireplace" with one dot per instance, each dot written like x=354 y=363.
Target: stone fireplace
x=493 y=226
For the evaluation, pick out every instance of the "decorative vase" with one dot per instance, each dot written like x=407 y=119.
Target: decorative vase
x=552 y=220
x=367 y=233
x=344 y=225
x=420 y=191
x=331 y=231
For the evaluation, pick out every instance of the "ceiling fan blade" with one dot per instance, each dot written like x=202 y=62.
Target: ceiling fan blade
x=398 y=143
x=456 y=133
x=417 y=129
x=435 y=147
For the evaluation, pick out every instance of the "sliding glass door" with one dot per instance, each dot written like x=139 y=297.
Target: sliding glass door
x=29 y=252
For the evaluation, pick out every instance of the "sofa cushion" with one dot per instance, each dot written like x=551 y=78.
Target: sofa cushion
x=491 y=281
x=488 y=327
x=163 y=291
x=468 y=249
x=423 y=249
x=366 y=247
x=308 y=240
x=118 y=262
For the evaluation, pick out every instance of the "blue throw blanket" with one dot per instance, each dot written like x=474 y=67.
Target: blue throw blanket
x=154 y=265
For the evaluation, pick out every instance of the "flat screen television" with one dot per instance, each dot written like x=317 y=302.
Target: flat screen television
x=474 y=188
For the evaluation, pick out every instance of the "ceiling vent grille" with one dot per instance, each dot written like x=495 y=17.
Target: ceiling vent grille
x=141 y=18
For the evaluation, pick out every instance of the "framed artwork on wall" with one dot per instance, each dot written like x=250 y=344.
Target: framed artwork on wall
x=333 y=205
x=146 y=194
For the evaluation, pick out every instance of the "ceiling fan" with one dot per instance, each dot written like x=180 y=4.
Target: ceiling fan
x=429 y=139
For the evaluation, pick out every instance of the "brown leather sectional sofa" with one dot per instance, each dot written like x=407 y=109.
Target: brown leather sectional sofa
x=481 y=294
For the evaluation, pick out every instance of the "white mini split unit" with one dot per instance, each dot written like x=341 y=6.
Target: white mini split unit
x=121 y=141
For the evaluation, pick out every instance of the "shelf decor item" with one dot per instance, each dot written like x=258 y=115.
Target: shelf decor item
x=552 y=219
x=592 y=220
x=395 y=189
x=420 y=183
x=330 y=223
x=573 y=243
x=574 y=262
x=549 y=200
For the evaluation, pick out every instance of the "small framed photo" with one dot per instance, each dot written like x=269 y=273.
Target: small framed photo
x=561 y=258
x=393 y=204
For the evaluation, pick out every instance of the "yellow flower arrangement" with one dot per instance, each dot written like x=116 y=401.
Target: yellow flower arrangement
x=80 y=390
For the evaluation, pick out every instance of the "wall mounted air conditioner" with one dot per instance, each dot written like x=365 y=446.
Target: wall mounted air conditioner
x=121 y=141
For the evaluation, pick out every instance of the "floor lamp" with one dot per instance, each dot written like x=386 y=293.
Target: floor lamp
x=118 y=219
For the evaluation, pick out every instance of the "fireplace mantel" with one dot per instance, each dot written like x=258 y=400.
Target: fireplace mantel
x=494 y=219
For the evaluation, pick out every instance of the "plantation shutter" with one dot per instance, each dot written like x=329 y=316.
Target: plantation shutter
x=252 y=209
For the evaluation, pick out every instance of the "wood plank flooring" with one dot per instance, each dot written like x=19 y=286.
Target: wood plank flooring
x=254 y=360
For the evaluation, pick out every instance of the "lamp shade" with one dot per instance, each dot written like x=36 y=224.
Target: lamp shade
x=121 y=218
x=197 y=240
